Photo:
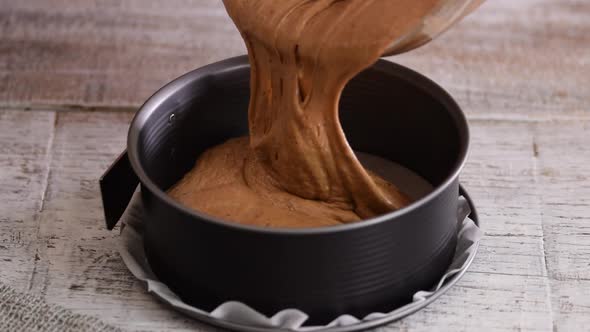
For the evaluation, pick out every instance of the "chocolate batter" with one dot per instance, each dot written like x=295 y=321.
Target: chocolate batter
x=296 y=169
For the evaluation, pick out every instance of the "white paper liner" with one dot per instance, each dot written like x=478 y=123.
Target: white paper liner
x=132 y=252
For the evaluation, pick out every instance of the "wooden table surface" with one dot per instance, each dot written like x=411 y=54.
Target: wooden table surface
x=72 y=73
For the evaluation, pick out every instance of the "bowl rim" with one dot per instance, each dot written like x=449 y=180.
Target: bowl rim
x=231 y=64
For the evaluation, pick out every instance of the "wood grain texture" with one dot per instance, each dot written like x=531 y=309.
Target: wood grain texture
x=564 y=175
x=106 y=53
x=525 y=58
x=25 y=148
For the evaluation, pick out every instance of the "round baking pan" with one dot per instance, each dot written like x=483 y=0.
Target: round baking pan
x=359 y=268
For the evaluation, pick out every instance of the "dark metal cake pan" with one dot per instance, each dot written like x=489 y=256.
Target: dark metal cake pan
x=359 y=268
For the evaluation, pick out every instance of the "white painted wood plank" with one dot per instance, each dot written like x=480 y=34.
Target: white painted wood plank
x=25 y=141
x=485 y=302
x=564 y=175
x=500 y=177
x=571 y=304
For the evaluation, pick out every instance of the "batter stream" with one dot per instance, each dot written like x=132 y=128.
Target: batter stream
x=296 y=168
